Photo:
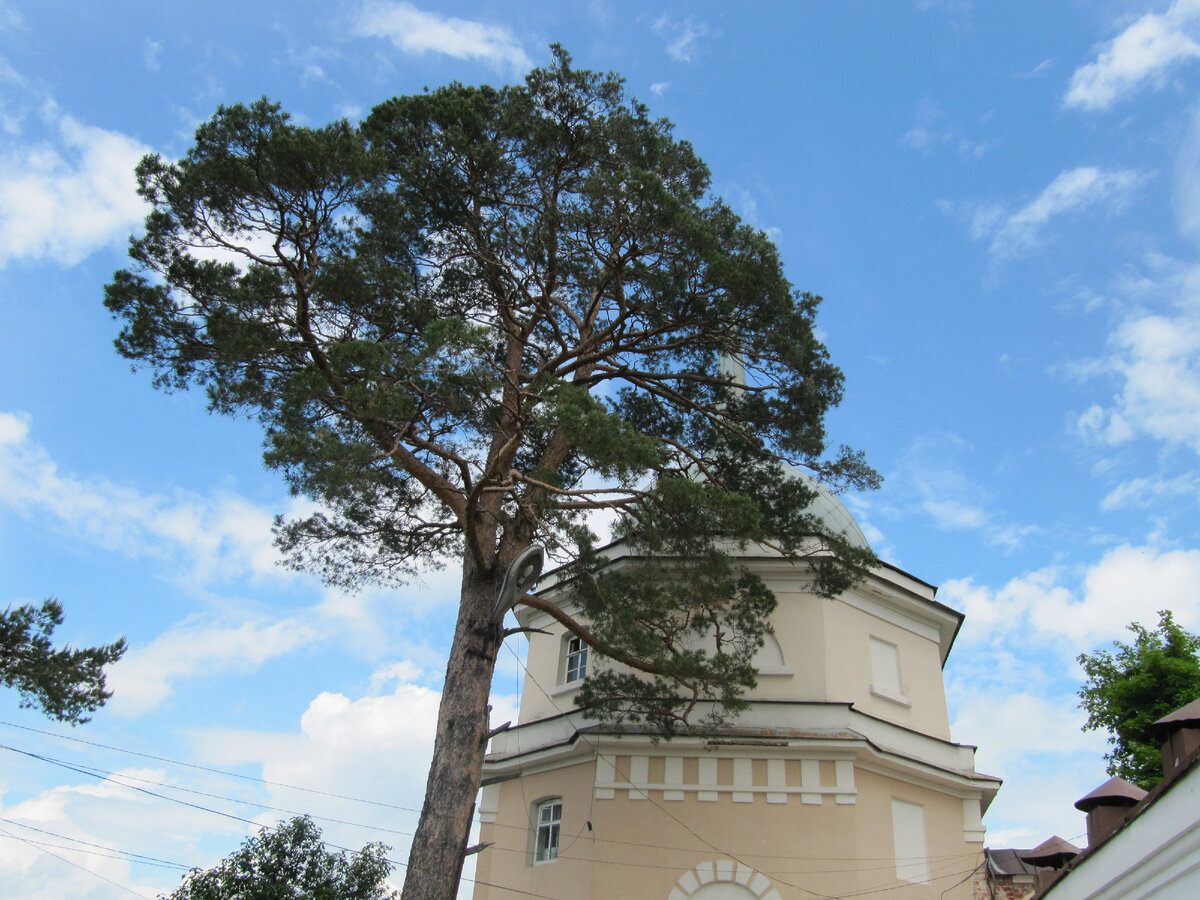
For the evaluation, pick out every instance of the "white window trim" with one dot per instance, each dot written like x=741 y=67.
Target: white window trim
x=553 y=829
x=564 y=664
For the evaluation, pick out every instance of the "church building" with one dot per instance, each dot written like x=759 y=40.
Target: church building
x=840 y=780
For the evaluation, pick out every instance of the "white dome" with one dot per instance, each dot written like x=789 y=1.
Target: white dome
x=833 y=512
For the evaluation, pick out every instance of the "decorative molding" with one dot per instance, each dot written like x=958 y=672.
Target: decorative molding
x=723 y=870
x=974 y=831
x=743 y=789
x=489 y=803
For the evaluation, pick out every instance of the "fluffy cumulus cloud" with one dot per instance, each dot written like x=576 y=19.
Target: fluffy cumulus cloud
x=144 y=677
x=1022 y=232
x=1129 y=583
x=1141 y=55
x=1153 y=348
x=357 y=764
x=417 y=32
x=1155 y=359
x=207 y=536
x=376 y=747
x=77 y=839
x=69 y=195
x=1012 y=682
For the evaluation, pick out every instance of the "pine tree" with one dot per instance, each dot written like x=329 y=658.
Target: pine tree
x=471 y=324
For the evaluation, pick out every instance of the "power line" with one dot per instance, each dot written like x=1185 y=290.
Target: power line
x=210 y=769
x=42 y=847
x=109 y=852
x=169 y=799
x=116 y=778
x=97 y=772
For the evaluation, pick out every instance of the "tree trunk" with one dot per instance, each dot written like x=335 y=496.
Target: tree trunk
x=438 y=847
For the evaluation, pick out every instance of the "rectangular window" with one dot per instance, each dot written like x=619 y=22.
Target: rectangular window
x=577 y=654
x=908 y=837
x=885 y=670
x=549 y=819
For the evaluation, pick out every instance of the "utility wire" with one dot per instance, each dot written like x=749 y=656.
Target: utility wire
x=124 y=854
x=949 y=858
x=97 y=772
x=42 y=847
x=210 y=769
x=116 y=778
x=596 y=749
x=107 y=852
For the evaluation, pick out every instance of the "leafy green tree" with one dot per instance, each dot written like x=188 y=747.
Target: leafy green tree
x=1132 y=686
x=470 y=324
x=62 y=682
x=289 y=862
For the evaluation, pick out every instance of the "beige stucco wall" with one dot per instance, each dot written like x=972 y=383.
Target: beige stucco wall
x=639 y=848
x=850 y=630
x=825 y=646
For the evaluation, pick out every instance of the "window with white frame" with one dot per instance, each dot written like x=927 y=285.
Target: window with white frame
x=548 y=819
x=575 y=668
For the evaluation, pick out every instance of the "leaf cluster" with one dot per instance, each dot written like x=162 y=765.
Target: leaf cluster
x=1133 y=685
x=290 y=861
x=63 y=682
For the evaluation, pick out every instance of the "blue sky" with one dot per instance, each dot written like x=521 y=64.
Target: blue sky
x=1000 y=203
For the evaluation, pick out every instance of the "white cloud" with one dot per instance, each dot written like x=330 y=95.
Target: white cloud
x=1156 y=359
x=1014 y=725
x=418 y=32
x=746 y=206
x=1153 y=351
x=931 y=480
x=102 y=813
x=954 y=515
x=1143 y=493
x=1143 y=53
x=681 y=37
x=1037 y=71
x=1072 y=191
x=1012 y=681
x=143 y=678
x=64 y=198
x=210 y=536
x=375 y=746
x=1128 y=584
x=659 y=88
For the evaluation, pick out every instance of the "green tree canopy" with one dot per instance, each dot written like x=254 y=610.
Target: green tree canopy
x=473 y=322
x=289 y=862
x=62 y=682
x=1132 y=686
